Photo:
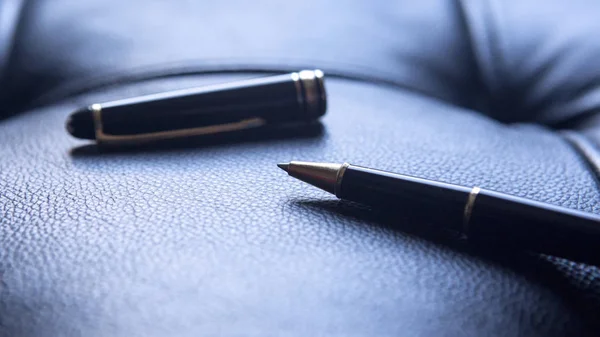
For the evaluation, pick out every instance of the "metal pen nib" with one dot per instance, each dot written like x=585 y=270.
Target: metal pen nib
x=283 y=166
x=325 y=176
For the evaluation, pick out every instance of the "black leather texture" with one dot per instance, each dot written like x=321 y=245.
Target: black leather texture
x=211 y=238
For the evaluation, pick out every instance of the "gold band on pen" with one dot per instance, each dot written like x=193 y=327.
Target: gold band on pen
x=298 y=86
x=314 y=90
x=96 y=110
x=309 y=81
x=319 y=75
x=337 y=188
x=104 y=138
x=469 y=209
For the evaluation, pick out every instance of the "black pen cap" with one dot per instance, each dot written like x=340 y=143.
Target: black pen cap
x=296 y=97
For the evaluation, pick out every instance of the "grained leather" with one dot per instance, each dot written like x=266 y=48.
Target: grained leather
x=214 y=239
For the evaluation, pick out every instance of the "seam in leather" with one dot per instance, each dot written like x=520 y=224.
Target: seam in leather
x=466 y=26
x=85 y=85
x=587 y=150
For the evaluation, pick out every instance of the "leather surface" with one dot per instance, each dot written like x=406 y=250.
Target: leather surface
x=215 y=240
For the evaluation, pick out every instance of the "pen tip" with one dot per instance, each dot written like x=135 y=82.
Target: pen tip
x=283 y=166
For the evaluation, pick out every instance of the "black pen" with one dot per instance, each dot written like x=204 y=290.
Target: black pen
x=297 y=97
x=477 y=213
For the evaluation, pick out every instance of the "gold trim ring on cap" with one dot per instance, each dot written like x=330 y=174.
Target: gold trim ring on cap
x=311 y=91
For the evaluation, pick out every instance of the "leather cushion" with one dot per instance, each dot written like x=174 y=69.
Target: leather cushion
x=517 y=61
x=215 y=239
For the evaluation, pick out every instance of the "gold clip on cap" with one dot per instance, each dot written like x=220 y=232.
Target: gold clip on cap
x=469 y=209
x=108 y=139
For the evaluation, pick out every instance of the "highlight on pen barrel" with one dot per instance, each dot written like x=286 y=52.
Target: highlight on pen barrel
x=298 y=97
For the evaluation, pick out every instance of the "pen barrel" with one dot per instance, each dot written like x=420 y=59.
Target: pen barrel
x=437 y=202
x=536 y=226
x=295 y=97
x=484 y=216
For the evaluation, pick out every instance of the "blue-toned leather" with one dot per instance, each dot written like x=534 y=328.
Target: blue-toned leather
x=216 y=240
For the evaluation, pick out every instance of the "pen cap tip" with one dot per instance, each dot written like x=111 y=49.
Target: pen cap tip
x=283 y=166
x=81 y=124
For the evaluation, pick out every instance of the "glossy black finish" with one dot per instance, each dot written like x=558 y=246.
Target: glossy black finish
x=440 y=202
x=81 y=124
x=536 y=226
x=274 y=99
x=496 y=217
